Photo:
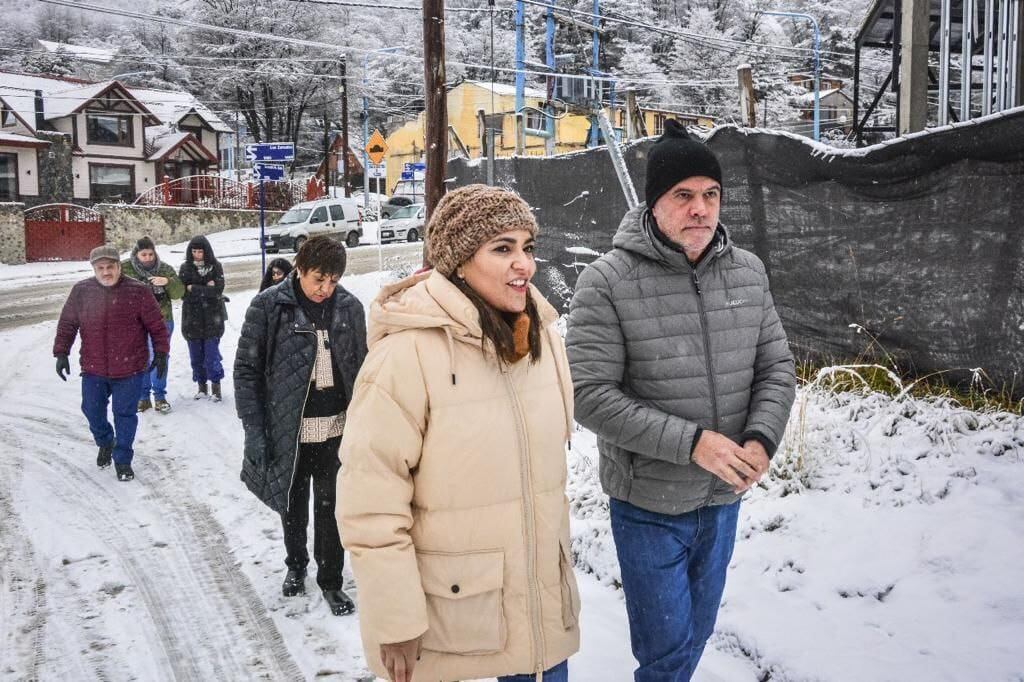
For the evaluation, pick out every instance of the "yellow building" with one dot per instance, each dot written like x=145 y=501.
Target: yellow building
x=405 y=145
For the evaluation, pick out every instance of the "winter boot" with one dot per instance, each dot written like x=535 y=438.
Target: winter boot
x=201 y=393
x=105 y=455
x=216 y=392
x=144 y=405
x=124 y=472
x=340 y=603
x=294 y=583
x=162 y=406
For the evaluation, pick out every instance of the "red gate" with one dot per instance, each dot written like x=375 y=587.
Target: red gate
x=61 y=232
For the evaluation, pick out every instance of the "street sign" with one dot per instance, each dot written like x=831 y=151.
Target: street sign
x=270 y=151
x=376 y=147
x=267 y=171
x=414 y=167
x=378 y=171
x=407 y=175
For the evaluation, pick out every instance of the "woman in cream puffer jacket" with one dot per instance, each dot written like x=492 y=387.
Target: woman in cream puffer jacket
x=451 y=496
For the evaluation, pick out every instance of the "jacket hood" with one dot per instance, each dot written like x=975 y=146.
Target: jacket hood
x=200 y=242
x=634 y=234
x=429 y=301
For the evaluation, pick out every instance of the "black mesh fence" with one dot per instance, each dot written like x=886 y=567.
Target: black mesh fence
x=913 y=249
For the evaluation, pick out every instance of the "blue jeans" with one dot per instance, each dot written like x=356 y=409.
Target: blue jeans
x=673 y=576
x=558 y=673
x=150 y=381
x=206 y=360
x=97 y=393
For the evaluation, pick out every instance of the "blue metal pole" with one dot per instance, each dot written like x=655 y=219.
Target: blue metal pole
x=263 y=223
x=366 y=140
x=549 y=59
x=520 y=59
x=817 y=65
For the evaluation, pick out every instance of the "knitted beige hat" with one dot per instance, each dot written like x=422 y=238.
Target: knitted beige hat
x=467 y=217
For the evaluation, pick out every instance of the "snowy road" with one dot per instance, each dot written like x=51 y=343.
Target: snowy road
x=38 y=298
x=885 y=547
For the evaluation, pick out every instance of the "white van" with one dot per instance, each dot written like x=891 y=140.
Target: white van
x=338 y=218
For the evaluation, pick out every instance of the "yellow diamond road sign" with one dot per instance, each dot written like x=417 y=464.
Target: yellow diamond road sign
x=376 y=148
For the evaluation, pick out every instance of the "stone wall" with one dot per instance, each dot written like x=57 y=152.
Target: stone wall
x=125 y=224
x=12 y=233
x=56 y=184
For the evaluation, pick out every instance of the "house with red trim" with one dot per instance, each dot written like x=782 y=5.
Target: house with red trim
x=65 y=139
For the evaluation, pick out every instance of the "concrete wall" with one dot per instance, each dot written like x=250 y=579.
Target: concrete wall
x=125 y=224
x=12 y=233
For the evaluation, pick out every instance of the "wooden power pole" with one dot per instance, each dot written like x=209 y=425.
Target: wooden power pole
x=344 y=127
x=748 y=103
x=436 y=134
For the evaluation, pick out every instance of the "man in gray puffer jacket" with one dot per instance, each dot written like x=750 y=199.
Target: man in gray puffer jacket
x=682 y=369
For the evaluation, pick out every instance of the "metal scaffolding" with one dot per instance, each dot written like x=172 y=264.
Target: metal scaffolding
x=974 y=65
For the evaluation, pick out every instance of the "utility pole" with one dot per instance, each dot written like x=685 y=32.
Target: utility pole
x=748 y=104
x=436 y=134
x=344 y=126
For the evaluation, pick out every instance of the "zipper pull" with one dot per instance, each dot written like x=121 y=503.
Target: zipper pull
x=696 y=283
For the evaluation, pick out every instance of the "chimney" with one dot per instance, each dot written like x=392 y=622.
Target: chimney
x=40 y=121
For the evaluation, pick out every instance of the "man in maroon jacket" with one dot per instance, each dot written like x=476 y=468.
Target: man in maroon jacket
x=114 y=315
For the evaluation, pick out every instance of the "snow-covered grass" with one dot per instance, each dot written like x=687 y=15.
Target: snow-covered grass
x=885 y=546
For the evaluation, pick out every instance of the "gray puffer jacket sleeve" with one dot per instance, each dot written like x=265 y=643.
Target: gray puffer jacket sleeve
x=774 y=386
x=597 y=355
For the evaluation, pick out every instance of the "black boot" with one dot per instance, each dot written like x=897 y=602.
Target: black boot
x=340 y=603
x=201 y=393
x=294 y=583
x=215 y=386
x=124 y=472
x=104 y=456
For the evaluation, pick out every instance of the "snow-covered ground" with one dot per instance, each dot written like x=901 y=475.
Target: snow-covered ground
x=886 y=546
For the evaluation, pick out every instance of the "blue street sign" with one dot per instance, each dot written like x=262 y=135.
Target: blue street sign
x=270 y=151
x=267 y=171
x=407 y=175
x=414 y=167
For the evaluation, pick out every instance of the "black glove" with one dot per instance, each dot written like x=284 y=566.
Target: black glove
x=63 y=366
x=256 y=446
x=160 y=364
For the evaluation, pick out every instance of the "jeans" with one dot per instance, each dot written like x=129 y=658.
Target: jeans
x=673 y=576
x=558 y=673
x=206 y=360
x=317 y=462
x=97 y=393
x=150 y=381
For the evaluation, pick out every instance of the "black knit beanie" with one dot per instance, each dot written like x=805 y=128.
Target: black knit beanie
x=677 y=156
x=144 y=243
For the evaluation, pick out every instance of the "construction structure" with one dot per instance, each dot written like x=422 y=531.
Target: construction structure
x=950 y=61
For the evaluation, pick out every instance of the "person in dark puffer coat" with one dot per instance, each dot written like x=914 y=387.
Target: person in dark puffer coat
x=302 y=344
x=681 y=367
x=203 y=314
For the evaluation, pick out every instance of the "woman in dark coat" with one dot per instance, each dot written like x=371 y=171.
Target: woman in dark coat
x=277 y=270
x=203 y=314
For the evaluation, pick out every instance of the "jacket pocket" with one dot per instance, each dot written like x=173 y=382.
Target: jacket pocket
x=570 y=592
x=464 y=605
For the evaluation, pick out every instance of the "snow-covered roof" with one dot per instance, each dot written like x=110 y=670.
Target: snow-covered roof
x=170 y=106
x=166 y=141
x=508 y=90
x=808 y=98
x=17 y=140
x=96 y=55
x=66 y=102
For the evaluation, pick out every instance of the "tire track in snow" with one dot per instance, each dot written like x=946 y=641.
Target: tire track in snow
x=218 y=597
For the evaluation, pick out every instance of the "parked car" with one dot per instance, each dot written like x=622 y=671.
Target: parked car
x=405 y=223
x=388 y=208
x=336 y=217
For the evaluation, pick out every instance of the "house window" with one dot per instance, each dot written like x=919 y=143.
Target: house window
x=195 y=130
x=111 y=183
x=534 y=120
x=494 y=122
x=8 y=177
x=659 y=124
x=109 y=130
